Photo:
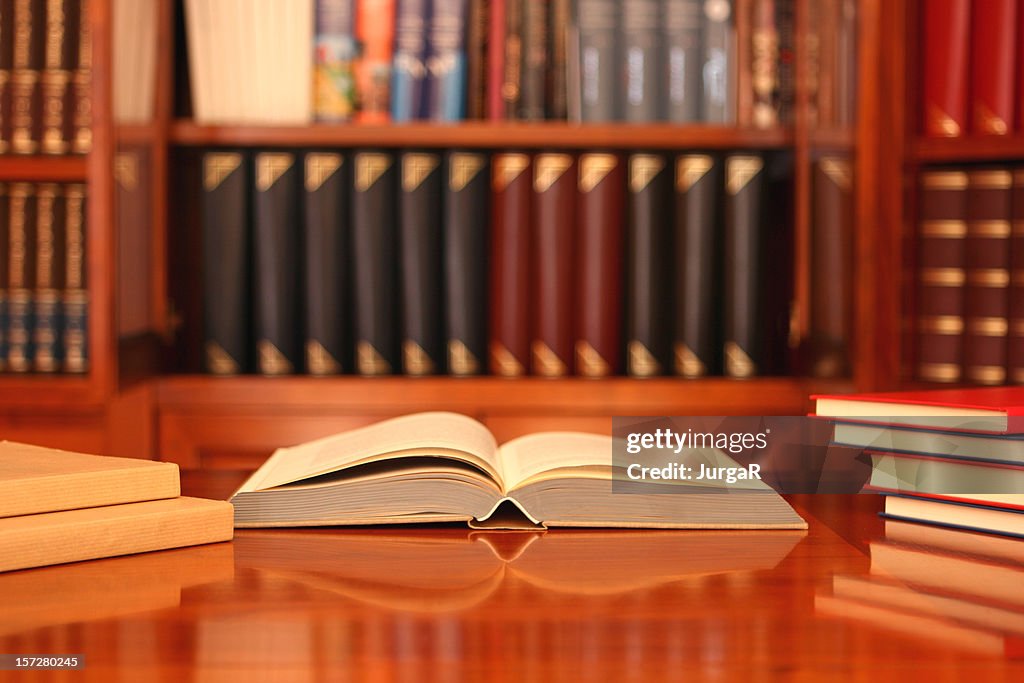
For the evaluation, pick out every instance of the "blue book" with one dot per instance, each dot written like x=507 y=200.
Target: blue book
x=446 y=63
x=409 y=72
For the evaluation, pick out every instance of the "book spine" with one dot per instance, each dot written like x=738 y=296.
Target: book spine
x=6 y=64
x=846 y=65
x=276 y=262
x=764 y=64
x=511 y=277
x=512 y=72
x=466 y=255
x=682 y=21
x=375 y=30
x=812 y=58
x=60 y=50
x=831 y=267
x=744 y=334
x=49 y=267
x=648 y=254
x=560 y=16
x=335 y=54
x=446 y=65
x=226 y=250
x=5 y=245
x=133 y=208
x=536 y=28
x=993 y=48
x=697 y=343
x=945 y=35
x=554 y=256
x=828 y=35
x=642 y=52
x=81 y=85
x=420 y=241
x=29 y=39
x=598 y=22
x=941 y=233
x=719 y=64
x=1015 y=346
x=987 y=275
x=375 y=233
x=601 y=213
x=409 y=71
x=327 y=264
x=477 y=47
x=75 y=297
x=21 y=276
x=496 y=22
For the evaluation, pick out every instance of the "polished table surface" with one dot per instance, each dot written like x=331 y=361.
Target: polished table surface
x=445 y=603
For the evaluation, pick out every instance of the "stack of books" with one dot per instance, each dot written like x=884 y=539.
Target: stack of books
x=951 y=457
x=58 y=507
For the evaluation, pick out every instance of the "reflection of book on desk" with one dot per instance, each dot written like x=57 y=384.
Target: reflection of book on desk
x=444 y=467
x=455 y=570
x=104 y=589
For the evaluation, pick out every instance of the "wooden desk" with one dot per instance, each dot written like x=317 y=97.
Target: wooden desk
x=443 y=603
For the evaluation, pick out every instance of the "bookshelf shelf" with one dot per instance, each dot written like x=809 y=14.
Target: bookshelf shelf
x=484 y=135
x=43 y=168
x=956 y=150
x=70 y=393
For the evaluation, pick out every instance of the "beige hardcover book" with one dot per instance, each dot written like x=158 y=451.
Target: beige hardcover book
x=36 y=479
x=112 y=530
x=445 y=467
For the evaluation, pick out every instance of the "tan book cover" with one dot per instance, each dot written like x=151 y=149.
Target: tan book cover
x=36 y=479
x=74 y=535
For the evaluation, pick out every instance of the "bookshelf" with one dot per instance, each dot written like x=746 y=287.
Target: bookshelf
x=142 y=395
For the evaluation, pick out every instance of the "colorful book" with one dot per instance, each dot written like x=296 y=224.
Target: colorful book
x=375 y=32
x=335 y=53
x=410 y=72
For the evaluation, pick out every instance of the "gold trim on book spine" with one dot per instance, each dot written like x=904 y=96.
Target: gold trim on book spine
x=940 y=123
x=16 y=236
x=939 y=372
x=219 y=361
x=415 y=360
x=548 y=168
x=989 y=123
x=462 y=168
x=643 y=168
x=46 y=197
x=319 y=361
x=126 y=170
x=737 y=362
x=271 y=360
x=942 y=277
x=55 y=18
x=989 y=277
x=461 y=361
x=952 y=229
x=687 y=362
x=986 y=374
x=217 y=166
x=941 y=324
x=992 y=229
x=504 y=362
x=640 y=361
x=370 y=166
x=944 y=180
x=837 y=169
x=690 y=168
x=270 y=166
x=988 y=327
x=416 y=168
x=508 y=167
x=990 y=179
x=74 y=237
x=546 y=362
x=589 y=362
x=594 y=168
x=740 y=170
x=369 y=361
x=319 y=167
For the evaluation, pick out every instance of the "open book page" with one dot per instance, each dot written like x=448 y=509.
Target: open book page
x=437 y=434
x=555 y=454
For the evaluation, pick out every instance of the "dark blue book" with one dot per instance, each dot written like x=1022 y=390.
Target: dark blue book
x=409 y=71
x=446 y=63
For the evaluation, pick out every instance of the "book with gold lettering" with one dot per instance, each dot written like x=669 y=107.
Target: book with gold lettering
x=445 y=467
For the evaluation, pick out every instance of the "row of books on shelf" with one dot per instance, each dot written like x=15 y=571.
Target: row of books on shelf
x=43 y=290
x=711 y=61
x=511 y=262
x=971 y=67
x=45 y=77
x=970 y=294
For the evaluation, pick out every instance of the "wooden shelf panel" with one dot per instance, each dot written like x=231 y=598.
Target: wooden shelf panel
x=43 y=168
x=478 y=134
x=492 y=395
x=980 y=148
x=68 y=393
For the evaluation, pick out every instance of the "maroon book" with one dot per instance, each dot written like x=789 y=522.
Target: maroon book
x=510 y=264
x=1015 y=345
x=993 y=29
x=944 y=67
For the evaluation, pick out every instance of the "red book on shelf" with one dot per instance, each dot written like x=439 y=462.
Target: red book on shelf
x=993 y=29
x=979 y=409
x=944 y=66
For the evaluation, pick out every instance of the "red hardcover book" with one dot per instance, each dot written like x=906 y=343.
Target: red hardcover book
x=1015 y=345
x=998 y=410
x=511 y=275
x=993 y=29
x=375 y=27
x=496 y=61
x=944 y=67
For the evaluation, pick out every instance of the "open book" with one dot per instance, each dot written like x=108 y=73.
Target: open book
x=445 y=467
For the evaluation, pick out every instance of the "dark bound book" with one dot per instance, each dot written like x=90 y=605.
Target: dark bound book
x=601 y=212
x=477 y=32
x=941 y=235
x=446 y=63
x=226 y=253
x=945 y=36
x=375 y=250
x=5 y=217
x=409 y=69
x=718 y=102
x=49 y=269
x=511 y=276
x=276 y=251
x=75 y=298
x=831 y=267
x=756 y=291
x=764 y=64
x=29 y=38
x=511 y=85
x=21 y=276
x=533 y=104
x=81 y=85
x=60 y=56
x=420 y=244
x=560 y=15
x=466 y=257
x=993 y=53
x=6 y=63
x=1015 y=346
x=599 y=65
x=642 y=49
x=328 y=264
x=682 y=22
x=554 y=256
x=648 y=254
x=987 y=274
x=697 y=339
x=496 y=60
